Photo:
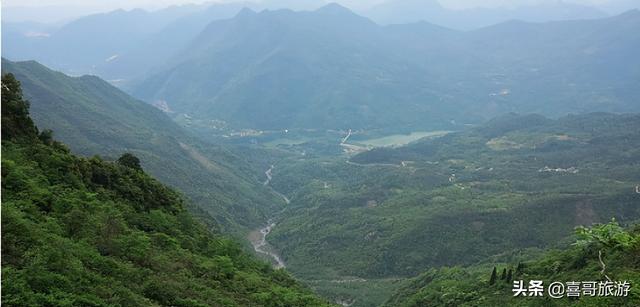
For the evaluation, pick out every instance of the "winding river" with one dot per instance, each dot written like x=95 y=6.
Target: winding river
x=258 y=239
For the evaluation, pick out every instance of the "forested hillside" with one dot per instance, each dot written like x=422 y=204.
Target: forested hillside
x=89 y=232
x=401 y=153
x=95 y=118
x=603 y=253
x=510 y=188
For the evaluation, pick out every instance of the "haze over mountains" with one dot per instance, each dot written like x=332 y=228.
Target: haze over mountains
x=333 y=69
x=363 y=150
x=406 y=11
x=60 y=11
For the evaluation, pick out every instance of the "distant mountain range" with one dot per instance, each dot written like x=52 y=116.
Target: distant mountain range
x=120 y=44
x=490 y=184
x=331 y=68
x=406 y=11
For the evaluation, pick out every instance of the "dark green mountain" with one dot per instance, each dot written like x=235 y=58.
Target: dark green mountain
x=332 y=69
x=86 y=232
x=95 y=118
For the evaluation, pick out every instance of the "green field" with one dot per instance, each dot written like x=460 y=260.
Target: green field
x=399 y=139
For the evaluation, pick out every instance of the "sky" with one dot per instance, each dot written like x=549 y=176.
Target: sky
x=162 y=3
x=58 y=10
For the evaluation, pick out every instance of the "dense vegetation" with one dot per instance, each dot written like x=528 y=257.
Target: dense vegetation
x=95 y=118
x=515 y=186
x=473 y=286
x=88 y=232
x=307 y=95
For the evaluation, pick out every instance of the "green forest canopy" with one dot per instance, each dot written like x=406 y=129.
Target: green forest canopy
x=88 y=232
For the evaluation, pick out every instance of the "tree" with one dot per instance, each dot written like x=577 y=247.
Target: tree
x=610 y=235
x=130 y=161
x=509 y=276
x=503 y=276
x=46 y=136
x=492 y=279
x=16 y=122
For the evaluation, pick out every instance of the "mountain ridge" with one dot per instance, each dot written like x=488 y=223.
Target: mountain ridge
x=87 y=232
x=281 y=63
x=94 y=117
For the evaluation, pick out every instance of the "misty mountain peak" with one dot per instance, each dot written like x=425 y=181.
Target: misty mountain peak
x=425 y=4
x=634 y=13
x=421 y=5
x=245 y=12
x=334 y=9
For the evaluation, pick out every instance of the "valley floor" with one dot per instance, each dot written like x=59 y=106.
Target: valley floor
x=359 y=225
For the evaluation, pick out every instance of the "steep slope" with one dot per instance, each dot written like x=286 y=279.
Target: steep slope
x=332 y=69
x=609 y=244
x=95 y=118
x=86 y=232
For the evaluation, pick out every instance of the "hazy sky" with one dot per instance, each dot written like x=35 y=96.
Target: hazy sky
x=60 y=10
x=161 y=3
